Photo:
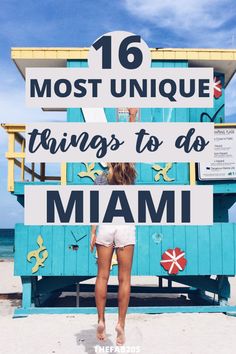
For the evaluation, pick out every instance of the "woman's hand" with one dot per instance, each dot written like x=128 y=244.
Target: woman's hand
x=92 y=241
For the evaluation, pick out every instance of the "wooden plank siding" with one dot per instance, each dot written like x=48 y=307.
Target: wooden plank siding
x=209 y=250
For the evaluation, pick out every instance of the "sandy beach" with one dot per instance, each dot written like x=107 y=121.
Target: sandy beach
x=152 y=334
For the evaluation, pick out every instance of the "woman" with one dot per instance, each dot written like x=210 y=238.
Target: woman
x=106 y=238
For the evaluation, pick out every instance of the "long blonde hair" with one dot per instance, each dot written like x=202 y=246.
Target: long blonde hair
x=121 y=173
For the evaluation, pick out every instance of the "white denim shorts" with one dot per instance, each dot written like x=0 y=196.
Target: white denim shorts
x=116 y=235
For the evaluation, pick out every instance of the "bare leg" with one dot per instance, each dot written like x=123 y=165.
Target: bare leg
x=104 y=262
x=124 y=257
x=132 y=114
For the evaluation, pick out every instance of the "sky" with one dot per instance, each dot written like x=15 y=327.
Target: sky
x=77 y=23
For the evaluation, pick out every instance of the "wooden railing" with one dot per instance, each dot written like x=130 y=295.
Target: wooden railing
x=17 y=159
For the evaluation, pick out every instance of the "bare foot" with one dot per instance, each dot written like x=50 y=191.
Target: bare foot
x=101 y=333
x=120 y=339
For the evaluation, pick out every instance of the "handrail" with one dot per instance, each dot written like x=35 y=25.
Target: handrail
x=15 y=158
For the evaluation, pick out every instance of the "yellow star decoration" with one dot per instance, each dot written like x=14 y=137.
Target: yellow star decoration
x=36 y=254
x=162 y=171
x=90 y=172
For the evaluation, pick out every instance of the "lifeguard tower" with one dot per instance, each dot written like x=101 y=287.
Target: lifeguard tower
x=51 y=258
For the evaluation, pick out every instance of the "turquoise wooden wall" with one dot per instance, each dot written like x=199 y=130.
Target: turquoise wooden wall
x=208 y=249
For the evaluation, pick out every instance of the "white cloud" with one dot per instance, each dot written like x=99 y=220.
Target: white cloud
x=190 y=20
x=182 y=14
x=189 y=23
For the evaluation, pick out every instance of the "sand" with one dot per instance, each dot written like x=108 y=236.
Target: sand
x=151 y=334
